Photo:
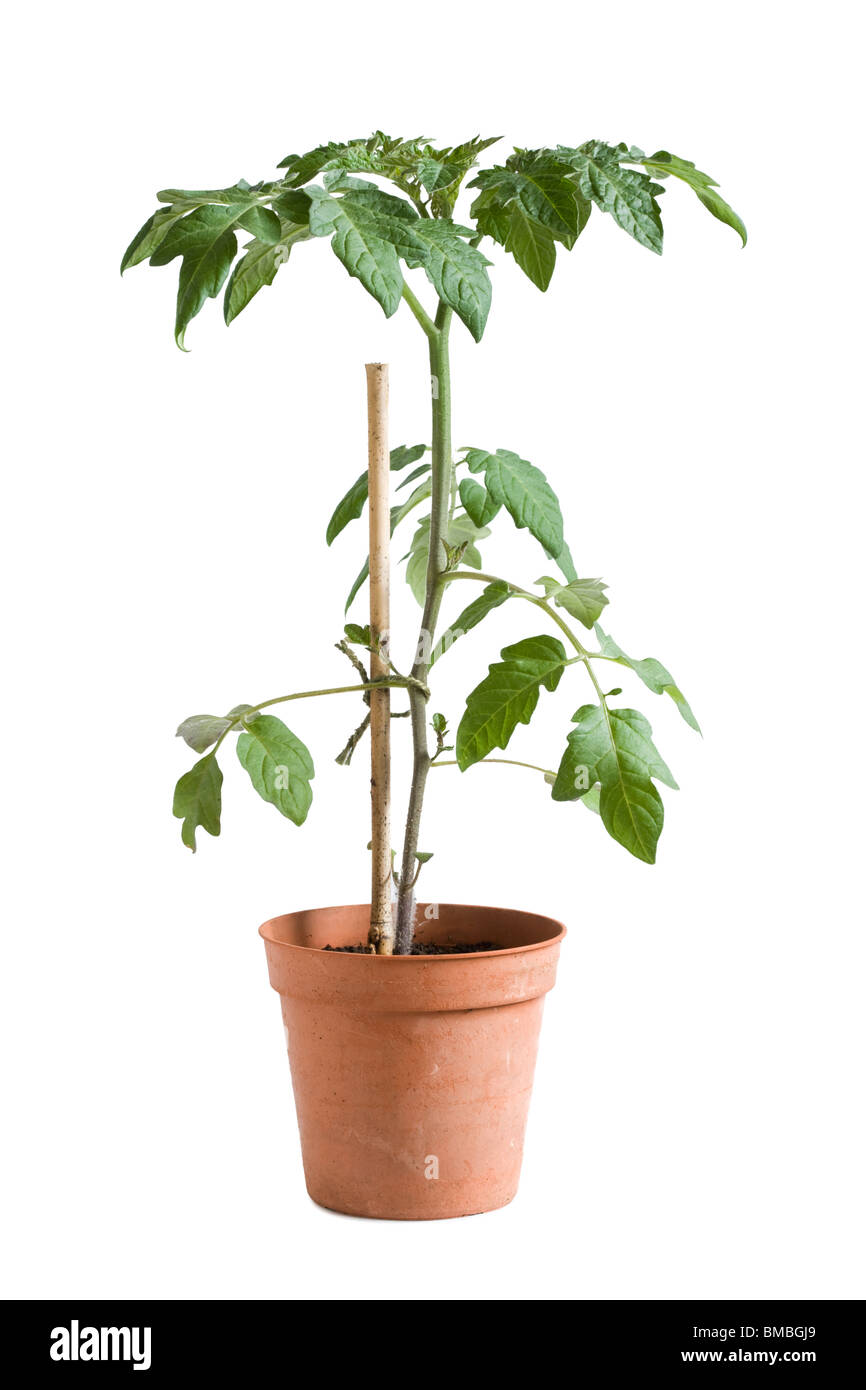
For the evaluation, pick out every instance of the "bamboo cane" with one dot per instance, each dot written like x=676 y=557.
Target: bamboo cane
x=381 y=938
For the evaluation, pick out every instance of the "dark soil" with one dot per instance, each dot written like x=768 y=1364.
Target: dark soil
x=429 y=948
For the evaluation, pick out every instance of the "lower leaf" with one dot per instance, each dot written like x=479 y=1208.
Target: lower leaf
x=198 y=800
x=614 y=748
x=508 y=696
x=279 y=766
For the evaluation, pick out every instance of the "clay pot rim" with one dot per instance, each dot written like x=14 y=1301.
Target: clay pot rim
x=275 y=940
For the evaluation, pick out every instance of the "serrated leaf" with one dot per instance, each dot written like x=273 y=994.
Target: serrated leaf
x=584 y=599
x=363 y=251
x=478 y=502
x=414 y=165
x=615 y=748
x=237 y=193
x=654 y=675
x=543 y=186
x=207 y=244
x=457 y=271
x=294 y=205
x=198 y=800
x=662 y=163
x=149 y=237
x=258 y=267
x=404 y=454
x=508 y=696
x=279 y=766
x=526 y=239
x=629 y=195
x=524 y=491
x=262 y=223
x=493 y=596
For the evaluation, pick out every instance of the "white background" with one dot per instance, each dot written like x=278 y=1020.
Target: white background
x=697 y=1124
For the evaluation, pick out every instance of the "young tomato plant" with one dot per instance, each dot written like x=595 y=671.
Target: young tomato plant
x=534 y=202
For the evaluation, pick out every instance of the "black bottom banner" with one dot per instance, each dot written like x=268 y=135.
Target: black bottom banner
x=156 y=1339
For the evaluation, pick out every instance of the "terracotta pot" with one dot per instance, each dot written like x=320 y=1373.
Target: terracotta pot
x=412 y=1074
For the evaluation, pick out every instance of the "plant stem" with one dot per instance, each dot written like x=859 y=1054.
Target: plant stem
x=419 y=311
x=440 y=384
x=511 y=762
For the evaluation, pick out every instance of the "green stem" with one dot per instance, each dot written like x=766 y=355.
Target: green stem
x=403 y=683
x=582 y=654
x=539 y=602
x=511 y=762
x=419 y=311
x=442 y=470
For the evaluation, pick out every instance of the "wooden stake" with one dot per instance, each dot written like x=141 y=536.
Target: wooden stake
x=381 y=938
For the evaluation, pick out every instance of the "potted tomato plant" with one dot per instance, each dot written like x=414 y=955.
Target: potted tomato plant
x=412 y=1028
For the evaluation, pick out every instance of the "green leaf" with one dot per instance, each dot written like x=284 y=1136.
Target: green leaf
x=259 y=268
x=239 y=192
x=461 y=532
x=527 y=240
x=263 y=224
x=238 y=710
x=584 y=599
x=207 y=243
x=420 y=494
x=362 y=577
x=478 y=502
x=654 y=675
x=416 y=570
x=360 y=636
x=524 y=491
x=662 y=163
x=405 y=454
x=543 y=186
x=413 y=476
x=493 y=596
x=350 y=507
x=615 y=747
x=198 y=800
x=201 y=730
x=508 y=696
x=457 y=271
x=629 y=195
x=414 y=165
x=149 y=237
x=294 y=205
x=366 y=255
x=279 y=766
